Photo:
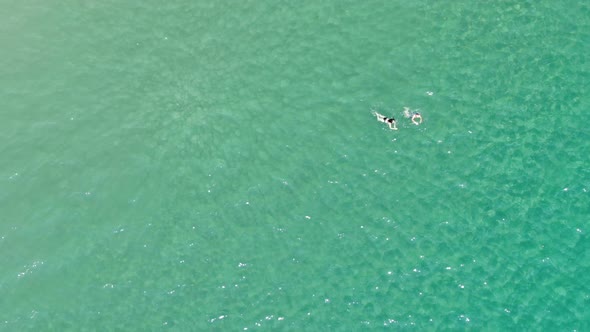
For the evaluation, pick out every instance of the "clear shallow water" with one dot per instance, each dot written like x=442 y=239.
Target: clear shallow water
x=197 y=166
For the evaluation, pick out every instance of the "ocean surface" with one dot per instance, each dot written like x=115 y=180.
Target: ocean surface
x=215 y=166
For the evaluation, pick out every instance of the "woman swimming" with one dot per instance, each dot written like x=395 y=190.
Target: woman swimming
x=383 y=118
x=415 y=116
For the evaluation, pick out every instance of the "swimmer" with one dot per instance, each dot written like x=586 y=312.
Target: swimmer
x=415 y=116
x=384 y=119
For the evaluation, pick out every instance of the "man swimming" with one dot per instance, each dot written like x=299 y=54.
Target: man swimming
x=415 y=116
x=383 y=118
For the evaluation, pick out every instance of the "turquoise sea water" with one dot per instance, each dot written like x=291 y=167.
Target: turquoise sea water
x=214 y=165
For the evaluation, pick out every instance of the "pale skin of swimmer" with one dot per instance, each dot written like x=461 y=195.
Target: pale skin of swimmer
x=415 y=116
x=382 y=118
